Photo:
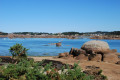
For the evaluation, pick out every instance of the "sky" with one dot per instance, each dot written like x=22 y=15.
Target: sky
x=59 y=15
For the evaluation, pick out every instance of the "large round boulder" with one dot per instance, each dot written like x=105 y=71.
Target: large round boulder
x=95 y=45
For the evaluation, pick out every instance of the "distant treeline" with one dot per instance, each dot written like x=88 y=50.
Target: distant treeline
x=3 y=33
x=97 y=32
x=104 y=33
x=40 y=33
x=72 y=33
x=66 y=33
x=32 y=33
x=115 y=33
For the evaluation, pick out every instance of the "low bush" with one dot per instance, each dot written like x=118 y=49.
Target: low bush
x=0 y=59
x=29 y=70
x=18 y=51
x=26 y=69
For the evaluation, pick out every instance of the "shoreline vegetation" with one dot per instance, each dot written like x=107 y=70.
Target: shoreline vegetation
x=109 y=69
x=115 y=35
x=21 y=67
x=93 y=61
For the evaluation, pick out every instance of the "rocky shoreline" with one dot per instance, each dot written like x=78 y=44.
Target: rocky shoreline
x=92 y=56
x=96 y=53
x=11 y=36
x=111 y=37
x=94 y=50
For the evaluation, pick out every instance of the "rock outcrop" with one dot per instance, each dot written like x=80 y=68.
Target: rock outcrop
x=94 y=51
x=76 y=52
x=96 y=57
x=110 y=57
x=82 y=57
x=63 y=54
x=118 y=63
x=96 y=72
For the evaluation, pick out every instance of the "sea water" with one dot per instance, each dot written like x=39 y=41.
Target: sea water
x=46 y=47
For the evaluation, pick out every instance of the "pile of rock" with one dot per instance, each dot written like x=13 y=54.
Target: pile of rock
x=94 y=51
x=96 y=72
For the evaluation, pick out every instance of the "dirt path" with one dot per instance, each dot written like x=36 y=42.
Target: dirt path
x=112 y=71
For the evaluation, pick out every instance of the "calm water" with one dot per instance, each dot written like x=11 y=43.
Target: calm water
x=41 y=46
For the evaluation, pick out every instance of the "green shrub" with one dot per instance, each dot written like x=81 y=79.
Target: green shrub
x=99 y=72
x=104 y=77
x=75 y=74
x=18 y=51
x=0 y=59
x=29 y=70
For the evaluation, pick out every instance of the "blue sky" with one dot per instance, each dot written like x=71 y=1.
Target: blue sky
x=59 y=15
